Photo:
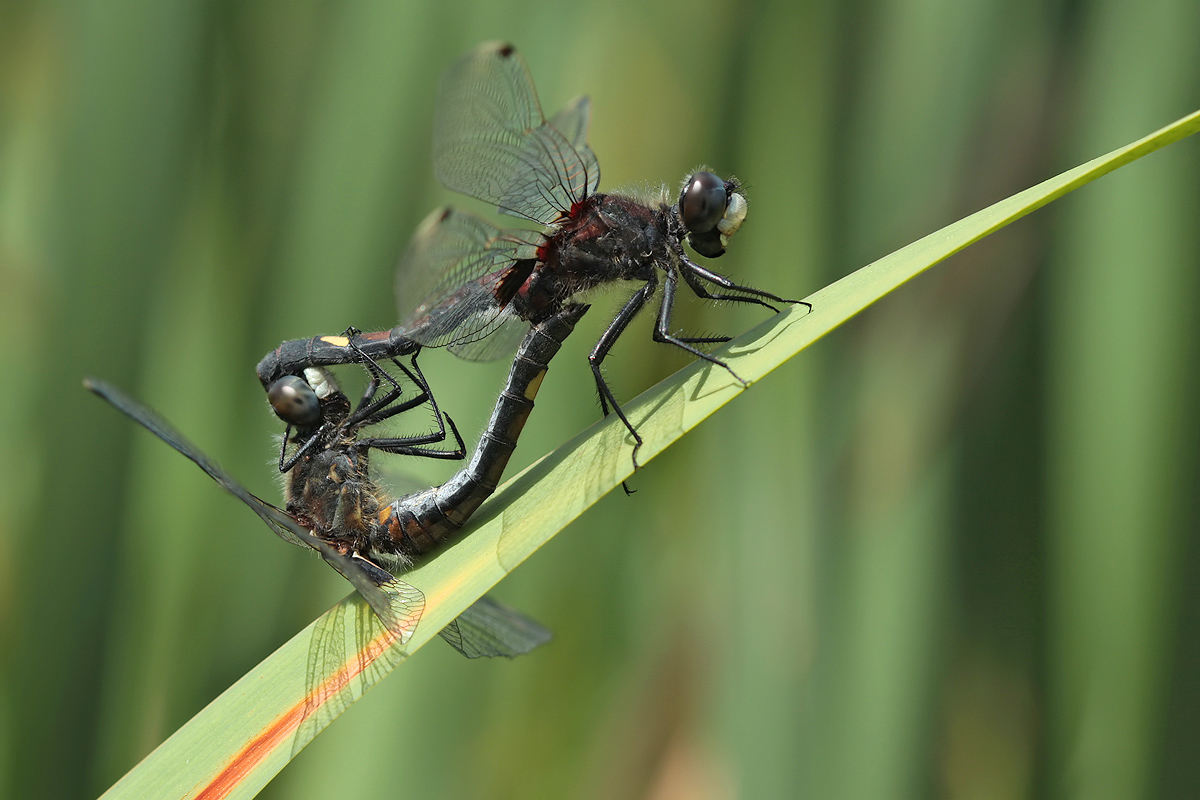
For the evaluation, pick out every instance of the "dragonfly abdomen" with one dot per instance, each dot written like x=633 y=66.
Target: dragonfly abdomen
x=419 y=523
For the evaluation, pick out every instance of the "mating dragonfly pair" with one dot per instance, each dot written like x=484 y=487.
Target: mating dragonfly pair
x=478 y=290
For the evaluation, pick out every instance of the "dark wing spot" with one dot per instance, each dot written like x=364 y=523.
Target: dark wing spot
x=508 y=286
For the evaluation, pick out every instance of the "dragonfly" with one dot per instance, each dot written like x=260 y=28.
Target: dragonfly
x=333 y=505
x=477 y=287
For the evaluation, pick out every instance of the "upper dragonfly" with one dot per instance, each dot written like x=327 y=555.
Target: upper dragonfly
x=476 y=286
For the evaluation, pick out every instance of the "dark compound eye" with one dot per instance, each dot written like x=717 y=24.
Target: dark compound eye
x=702 y=202
x=294 y=401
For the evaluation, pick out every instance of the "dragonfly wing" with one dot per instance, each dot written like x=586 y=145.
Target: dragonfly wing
x=398 y=605
x=393 y=601
x=457 y=276
x=488 y=629
x=279 y=521
x=500 y=339
x=492 y=142
x=572 y=122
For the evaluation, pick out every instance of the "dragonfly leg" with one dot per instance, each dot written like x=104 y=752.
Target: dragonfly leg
x=662 y=331
x=410 y=445
x=371 y=409
x=384 y=409
x=693 y=273
x=600 y=351
x=286 y=463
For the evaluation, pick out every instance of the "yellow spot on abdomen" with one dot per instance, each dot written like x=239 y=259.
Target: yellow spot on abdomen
x=532 y=389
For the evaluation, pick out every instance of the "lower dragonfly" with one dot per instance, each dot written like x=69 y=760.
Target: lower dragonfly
x=336 y=508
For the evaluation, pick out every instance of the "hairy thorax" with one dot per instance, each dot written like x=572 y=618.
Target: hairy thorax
x=334 y=496
x=606 y=238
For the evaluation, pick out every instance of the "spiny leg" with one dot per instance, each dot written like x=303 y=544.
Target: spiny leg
x=406 y=445
x=286 y=463
x=370 y=409
x=693 y=273
x=662 y=330
x=600 y=351
x=409 y=445
x=418 y=377
x=704 y=339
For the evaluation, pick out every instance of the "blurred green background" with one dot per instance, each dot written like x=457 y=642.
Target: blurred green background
x=948 y=552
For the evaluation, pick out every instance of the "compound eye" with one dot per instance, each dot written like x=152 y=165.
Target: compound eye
x=294 y=401
x=702 y=202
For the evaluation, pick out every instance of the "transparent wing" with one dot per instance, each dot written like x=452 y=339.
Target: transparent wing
x=328 y=687
x=455 y=280
x=398 y=605
x=488 y=629
x=501 y=340
x=492 y=142
x=572 y=122
x=276 y=518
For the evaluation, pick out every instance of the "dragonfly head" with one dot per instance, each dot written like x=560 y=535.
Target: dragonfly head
x=307 y=402
x=711 y=209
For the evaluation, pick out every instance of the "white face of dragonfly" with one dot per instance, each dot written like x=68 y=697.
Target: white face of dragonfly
x=322 y=382
x=731 y=220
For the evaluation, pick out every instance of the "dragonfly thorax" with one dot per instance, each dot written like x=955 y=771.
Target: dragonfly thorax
x=611 y=239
